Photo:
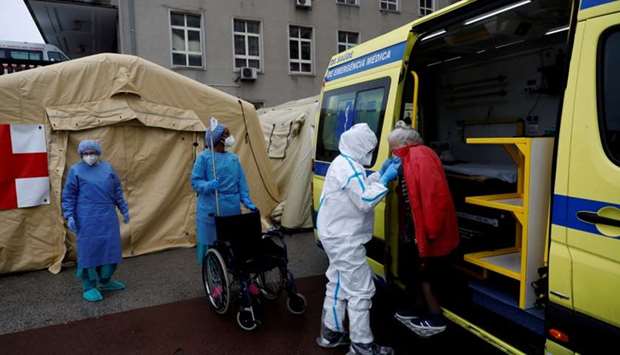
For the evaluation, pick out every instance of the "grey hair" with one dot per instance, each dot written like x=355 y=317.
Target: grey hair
x=403 y=134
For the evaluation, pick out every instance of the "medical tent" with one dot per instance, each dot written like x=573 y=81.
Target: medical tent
x=289 y=132
x=150 y=122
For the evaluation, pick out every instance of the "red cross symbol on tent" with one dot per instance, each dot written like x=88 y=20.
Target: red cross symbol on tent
x=24 y=178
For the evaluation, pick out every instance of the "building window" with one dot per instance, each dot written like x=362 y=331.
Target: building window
x=186 y=33
x=609 y=92
x=348 y=2
x=347 y=40
x=246 y=36
x=300 y=49
x=426 y=7
x=389 y=5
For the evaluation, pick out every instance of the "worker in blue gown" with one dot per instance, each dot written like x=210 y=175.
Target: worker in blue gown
x=229 y=181
x=90 y=197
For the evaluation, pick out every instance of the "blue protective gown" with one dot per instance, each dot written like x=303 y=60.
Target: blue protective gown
x=90 y=196
x=233 y=190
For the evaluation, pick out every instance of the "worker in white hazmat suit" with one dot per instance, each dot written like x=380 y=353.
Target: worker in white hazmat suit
x=344 y=224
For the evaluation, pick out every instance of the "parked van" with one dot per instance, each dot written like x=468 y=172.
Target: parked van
x=521 y=100
x=27 y=51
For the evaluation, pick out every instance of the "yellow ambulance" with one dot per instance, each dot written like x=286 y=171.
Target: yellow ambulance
x=521 y=101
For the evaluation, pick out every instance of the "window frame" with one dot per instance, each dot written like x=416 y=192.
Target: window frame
x=432 y=9
x=28 y=52
x=347 y=44
x=248 y=57
x=600 y=91
x=299 y=60
x=185 y=31
x=357 y=3
x=384 y=82
x=397 y=2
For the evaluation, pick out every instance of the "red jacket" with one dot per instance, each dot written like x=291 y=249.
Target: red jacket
x=432 y=208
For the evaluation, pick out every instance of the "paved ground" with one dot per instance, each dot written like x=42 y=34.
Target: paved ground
x=37 y=299
x=163 y=311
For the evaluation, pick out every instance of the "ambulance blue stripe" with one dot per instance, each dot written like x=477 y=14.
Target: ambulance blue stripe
x=565 y=210
x=586 y=4
x=369 y=61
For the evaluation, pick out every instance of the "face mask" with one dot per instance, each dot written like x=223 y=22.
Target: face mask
x=229 y=141
x=366 y=160
x=90 y=159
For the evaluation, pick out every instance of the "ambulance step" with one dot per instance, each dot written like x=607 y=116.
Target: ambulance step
x=506 y=305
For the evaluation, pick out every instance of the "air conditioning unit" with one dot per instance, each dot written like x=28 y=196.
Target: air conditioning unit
x=249 y=74
x=304 y=3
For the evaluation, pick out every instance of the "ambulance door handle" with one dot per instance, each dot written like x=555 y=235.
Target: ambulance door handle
x=595 y=218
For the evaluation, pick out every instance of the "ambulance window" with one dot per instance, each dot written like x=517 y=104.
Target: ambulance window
x=342 y=108
x=609 y=101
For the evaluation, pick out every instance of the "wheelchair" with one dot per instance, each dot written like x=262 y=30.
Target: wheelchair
x=248 y=266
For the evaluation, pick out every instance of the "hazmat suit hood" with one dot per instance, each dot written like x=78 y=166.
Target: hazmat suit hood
x=358 y=142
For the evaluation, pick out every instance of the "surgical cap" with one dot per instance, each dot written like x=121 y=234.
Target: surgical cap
x=216 y=134
x=87 y=145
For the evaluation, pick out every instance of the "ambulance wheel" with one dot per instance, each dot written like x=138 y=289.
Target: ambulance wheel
x=215 y=280
x=246 y=320
x=296 y=304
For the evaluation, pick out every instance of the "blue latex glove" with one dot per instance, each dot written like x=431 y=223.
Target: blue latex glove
x=396 y=162
x=391 y=173
x=126 y=217
x=213 y=185
x=250 y=205
x=71 y=224
x=385 y=165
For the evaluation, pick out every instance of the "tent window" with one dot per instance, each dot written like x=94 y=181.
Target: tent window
x=342 y=108
x=186 y=40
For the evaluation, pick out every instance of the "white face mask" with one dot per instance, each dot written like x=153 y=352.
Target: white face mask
x=229 y=141
x=90 y=159
x=366 y=160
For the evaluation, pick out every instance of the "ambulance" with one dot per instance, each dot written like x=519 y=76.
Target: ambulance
x=520 y=99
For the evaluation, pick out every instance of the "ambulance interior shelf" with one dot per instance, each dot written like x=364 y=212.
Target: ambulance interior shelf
x=528 y=204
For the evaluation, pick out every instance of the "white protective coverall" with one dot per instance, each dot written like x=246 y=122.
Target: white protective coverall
x=344 y=224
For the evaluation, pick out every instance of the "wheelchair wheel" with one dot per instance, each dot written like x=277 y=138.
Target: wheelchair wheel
x=215 y=280
x=296 y=303
x=246 y=319
x=271 y=283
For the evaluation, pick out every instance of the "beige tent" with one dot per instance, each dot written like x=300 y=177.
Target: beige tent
x=150 y=122
x=288 y=131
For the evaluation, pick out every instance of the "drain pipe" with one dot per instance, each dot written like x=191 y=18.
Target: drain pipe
x=131 y=12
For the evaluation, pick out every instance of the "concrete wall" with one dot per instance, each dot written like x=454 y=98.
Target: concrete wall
x=275 y=85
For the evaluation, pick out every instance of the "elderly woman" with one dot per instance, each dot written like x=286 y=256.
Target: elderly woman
x=89 y=200
x=430 y=228
x=229 y=182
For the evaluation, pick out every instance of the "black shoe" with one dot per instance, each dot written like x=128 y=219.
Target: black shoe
x=427 y=327
x=330 y=339
x=369 y=349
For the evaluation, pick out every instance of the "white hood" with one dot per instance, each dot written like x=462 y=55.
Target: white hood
x=357 y=142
